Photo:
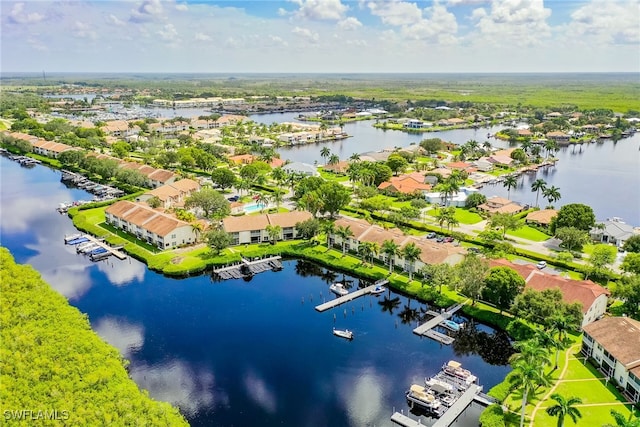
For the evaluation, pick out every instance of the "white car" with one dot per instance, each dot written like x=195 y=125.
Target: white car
x=541 y=264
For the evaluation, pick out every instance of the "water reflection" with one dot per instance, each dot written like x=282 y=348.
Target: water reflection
x=122 y=273
x=179 y=383
x=363 y=397
x=258 y=390
x=494 y=348
x=125 y=336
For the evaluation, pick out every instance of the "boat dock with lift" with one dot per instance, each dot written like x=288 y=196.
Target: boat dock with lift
x=455 y=387
x=248 y=268
x=96 y=248
x=350 y=296
x=426 y=329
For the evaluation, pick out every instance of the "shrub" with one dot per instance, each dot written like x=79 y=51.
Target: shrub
x=519 y=331
x=492 y=416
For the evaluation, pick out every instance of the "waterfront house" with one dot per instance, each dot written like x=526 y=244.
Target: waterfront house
x=51 y=148
x=405 y=184
x=559 y=137
x=253 y=229
x=173 y=194
x=458 y=199
x=497 y=204
x=431 y=251
x=483 y=164
x=542 y=217
x=592 y=297
x=153 y=226
x=613 y=231
x=612 y=344
x=340 y=167
x=301 y=168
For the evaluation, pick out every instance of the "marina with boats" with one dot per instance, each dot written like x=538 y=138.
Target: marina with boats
x=95 y=249
x=444 y=396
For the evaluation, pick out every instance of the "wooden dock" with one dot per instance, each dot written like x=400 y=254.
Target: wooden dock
x=114 y=251
x=247 y=267
x=458 y=407
x=405 y=421
x=349 y=297
x=426 y=328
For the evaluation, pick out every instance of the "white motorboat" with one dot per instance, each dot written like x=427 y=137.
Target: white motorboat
x=421 y=396
x=343 y=333
x=450 y=324
x=455 y=370
x=338 y=289
x=378 y=290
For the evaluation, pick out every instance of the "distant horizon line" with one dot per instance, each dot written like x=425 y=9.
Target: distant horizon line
x=40 y=72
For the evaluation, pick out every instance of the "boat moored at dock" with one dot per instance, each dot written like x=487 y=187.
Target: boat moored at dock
x=455 y=370
x=422 y=397
x=338 y=289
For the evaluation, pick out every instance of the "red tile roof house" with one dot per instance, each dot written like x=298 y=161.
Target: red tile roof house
x=432 y=253
x=51 y=148
x=590 y=295
x=500 y=205
x=155 y=227
x=253 y=228
x=404 y=184
x=612 y=344
x=173 y=194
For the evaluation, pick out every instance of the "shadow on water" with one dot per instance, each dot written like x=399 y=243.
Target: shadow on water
x=494 y=348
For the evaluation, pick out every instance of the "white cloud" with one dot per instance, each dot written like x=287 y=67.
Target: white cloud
x=126 y=337
x=182 y=7
x=147 y=11
x=349 y=24
x=19 y=16
x=202 y=37
x=440 y=25
x=516 y=22
x=396 y=12
x=332 y=10
x=168 y=33
x=112 y=19
x=607 y=22
x=306 y=34
x=259 y=392
x=82 y=30
x=277 y=40
x=467 y=2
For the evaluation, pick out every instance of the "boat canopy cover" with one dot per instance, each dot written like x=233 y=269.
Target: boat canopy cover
x=453 y=364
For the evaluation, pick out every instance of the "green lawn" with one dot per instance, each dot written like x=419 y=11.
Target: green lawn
x=466 y=217
x=529 y=233
x=330 y=176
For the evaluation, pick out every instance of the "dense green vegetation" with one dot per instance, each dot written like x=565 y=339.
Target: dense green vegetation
x=52 y=360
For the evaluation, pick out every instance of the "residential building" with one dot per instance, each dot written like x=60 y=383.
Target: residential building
x=613 y=345
x=497 y=204
x=253 y=228
x=542 y=217
x=155 y=227
x=301 y=168
x=173 y=194
x=592 y=297
x=613 y=231
x=50 y=148
x=431 y=251
x=458 y=199
x=559 y=137
x=405 y=184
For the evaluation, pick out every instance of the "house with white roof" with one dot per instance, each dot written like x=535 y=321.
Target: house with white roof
x=613 y=231
x=301 y=168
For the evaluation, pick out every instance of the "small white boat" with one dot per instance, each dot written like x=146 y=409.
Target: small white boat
x=378 y=290
x=338 y=289
x=343 y=333
x=455 y=370
x=71 y=237
x=450 y=324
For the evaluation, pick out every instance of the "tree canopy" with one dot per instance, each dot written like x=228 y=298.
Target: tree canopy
x=212 y=203
x=52 y=359
x=501 y=286
x=574 y=215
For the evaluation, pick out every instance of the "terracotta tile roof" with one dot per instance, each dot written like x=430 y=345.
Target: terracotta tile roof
x=405 y=184
x=458 y=165
x=145 y=217
x=121 y=207
x=500 y=205
x=24 y=136
x=288 y=219
x=620 y=336
x=584 y=292
x=163 y=224
x=185 y=185
x=165 y=192
x=232 y=224
x=543 y=216
x=160 y=175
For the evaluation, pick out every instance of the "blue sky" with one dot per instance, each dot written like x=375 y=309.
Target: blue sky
x=314 y=36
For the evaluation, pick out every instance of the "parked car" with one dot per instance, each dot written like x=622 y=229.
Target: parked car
x=233 y=198
x=448 y=239
x=440 y=239
x=473 y=250
x=541 y=264
x=431 y=235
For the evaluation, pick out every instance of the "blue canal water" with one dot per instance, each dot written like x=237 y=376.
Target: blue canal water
x=238 y=352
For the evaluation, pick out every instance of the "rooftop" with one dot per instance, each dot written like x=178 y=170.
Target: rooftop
x=620 y=336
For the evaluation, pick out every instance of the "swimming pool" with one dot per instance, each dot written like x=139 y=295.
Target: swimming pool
x=253 y=207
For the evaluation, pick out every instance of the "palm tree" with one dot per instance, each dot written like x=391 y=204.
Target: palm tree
x=334 y=159
x=622 y=422
x=564 y=407
x=552 y=194
x=538 y=184
x=197 y=228
x=365 y=249
x=550 y=146
x=411 y=253
x=344 y=233
x=325 y=153
x=487 y=146
x=452 y=221
x=274 y=232
x=510 y=181
x=277 y=197
x=355 y=157
x=262 y=201
x=527 y=376
x=328 y=228
x=390 y=249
